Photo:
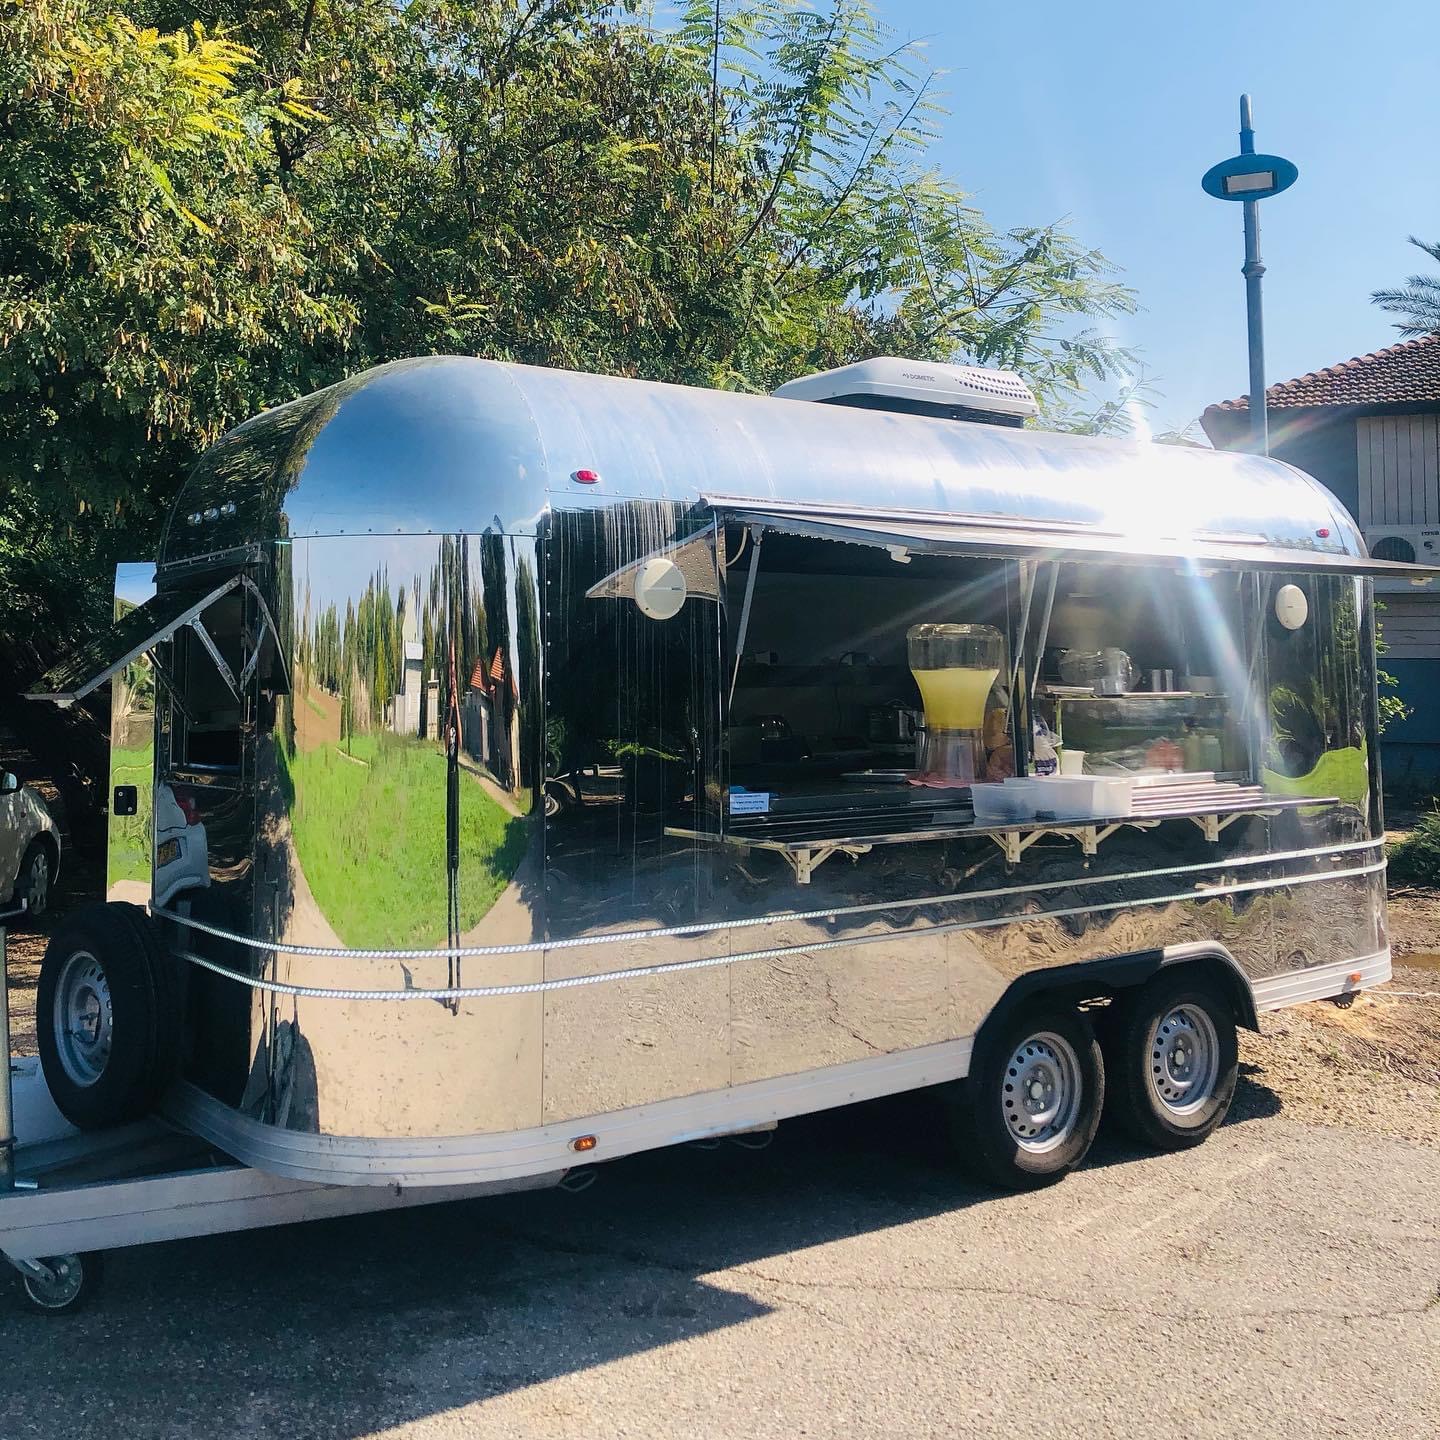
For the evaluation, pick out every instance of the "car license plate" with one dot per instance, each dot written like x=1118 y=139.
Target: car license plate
x=169 y=850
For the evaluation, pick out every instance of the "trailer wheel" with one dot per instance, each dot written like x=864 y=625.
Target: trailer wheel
x=34 y=881
x=106 y=1016
x=1173 y=1061
x=1027 y=1113
x=71 y=1285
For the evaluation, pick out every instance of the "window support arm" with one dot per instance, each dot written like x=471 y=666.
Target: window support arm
x=213 y=650
x=757 y=534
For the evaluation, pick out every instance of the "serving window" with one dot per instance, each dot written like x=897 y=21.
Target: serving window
x=1150 y=669
x=861 y=675
x=891 y=680
x=878 y=691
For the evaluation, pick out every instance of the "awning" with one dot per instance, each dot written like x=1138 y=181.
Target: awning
x=137 y=631
x=1004 y=537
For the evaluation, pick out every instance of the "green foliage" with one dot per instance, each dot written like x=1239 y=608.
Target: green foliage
x=1417 y=302
x=1392 y=707
x=1415 y=859
x=203 y=220
x=156 y=286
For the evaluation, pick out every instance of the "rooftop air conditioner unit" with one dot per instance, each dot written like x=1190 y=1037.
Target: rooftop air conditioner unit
x=915 y=387
x=1409 y=544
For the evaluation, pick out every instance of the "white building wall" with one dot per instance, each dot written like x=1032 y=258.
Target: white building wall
x=1399 y=462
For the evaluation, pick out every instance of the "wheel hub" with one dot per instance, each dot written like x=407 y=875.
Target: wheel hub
x=84 y=1018
x=39 y=884
x=1184 y=1059
x=58 y=1286
x=1040 y=1095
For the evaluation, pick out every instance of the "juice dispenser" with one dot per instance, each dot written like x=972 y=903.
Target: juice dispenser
x=955 y=667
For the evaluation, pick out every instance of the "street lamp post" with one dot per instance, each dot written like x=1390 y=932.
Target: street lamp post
x=1250 y=178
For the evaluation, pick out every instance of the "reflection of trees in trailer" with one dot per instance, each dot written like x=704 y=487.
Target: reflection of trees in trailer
x=632 y=703
x=461 y=627
x=1318 y=677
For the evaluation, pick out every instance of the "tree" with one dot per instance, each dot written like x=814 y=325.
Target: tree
x=1417 y=302
x=209 y=217
x=733 y=202
x=153 y=288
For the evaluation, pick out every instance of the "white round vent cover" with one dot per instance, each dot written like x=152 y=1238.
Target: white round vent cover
x=1291 y=607
x=659 y=589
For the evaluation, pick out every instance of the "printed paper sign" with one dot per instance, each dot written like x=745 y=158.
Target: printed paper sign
x=749 y=802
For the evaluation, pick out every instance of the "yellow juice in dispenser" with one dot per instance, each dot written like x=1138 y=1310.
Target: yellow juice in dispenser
x=955 y=667
x=954 y=699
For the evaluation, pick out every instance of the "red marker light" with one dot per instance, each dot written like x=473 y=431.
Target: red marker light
x=1322 y=534
x=189 y=808
x=586 y=477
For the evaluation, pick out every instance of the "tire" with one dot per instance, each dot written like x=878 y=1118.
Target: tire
x=1019 y=1149
x=77 y=1278
x=36 y=878
x=107 y=1016
x=1173 y=1061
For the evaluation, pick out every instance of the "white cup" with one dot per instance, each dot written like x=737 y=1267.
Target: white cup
x=1072 y=762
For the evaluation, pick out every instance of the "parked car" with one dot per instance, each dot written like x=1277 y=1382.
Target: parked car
x=29 y=846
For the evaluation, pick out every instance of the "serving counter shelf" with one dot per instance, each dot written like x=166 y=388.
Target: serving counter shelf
x=806 y=842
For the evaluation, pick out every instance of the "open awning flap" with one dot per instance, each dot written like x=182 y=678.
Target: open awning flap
x=134 y=633
x=1040 y=540
x=695 y=557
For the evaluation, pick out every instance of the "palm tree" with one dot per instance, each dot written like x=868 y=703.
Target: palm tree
x=1417 y=302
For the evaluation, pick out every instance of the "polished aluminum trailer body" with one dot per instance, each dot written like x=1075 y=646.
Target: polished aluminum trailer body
x=461 y=915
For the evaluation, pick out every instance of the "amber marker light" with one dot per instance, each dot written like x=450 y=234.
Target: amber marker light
x=583 y=1143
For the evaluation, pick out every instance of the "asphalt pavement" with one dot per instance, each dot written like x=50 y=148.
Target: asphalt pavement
x=847 y=1281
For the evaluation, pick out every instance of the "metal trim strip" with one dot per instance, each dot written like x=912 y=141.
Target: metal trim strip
x=707 y=927
x=1321 y=982
x=574 y=982
x=515 y=1154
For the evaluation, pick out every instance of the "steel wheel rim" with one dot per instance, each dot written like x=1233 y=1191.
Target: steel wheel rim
x=84 y=1018
x=1040 y=1092
x=1182 y=1060
x=39 y=891
x=56 y=1293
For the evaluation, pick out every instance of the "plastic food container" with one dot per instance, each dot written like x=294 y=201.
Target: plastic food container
x=1069 y=797
x=998 y=802
x=1084 y=797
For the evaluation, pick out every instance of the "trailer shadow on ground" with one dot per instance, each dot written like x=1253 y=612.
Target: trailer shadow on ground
x=348 y=1327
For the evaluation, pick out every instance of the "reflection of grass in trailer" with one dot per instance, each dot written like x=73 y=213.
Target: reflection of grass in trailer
x=1344 y=773
x=128 y=848
x=370 y=839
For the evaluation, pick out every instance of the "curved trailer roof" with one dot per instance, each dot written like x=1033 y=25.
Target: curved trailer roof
x=449 y=444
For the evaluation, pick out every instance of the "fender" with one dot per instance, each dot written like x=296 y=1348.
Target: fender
x=1086 y=978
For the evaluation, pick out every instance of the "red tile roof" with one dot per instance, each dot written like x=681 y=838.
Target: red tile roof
x=1399 y=373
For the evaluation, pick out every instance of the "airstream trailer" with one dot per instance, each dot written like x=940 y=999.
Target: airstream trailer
x=549 y=767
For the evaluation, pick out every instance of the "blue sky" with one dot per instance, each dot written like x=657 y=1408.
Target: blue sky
x=1110 y=113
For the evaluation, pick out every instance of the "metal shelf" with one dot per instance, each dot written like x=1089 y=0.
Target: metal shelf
x=806 y=852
